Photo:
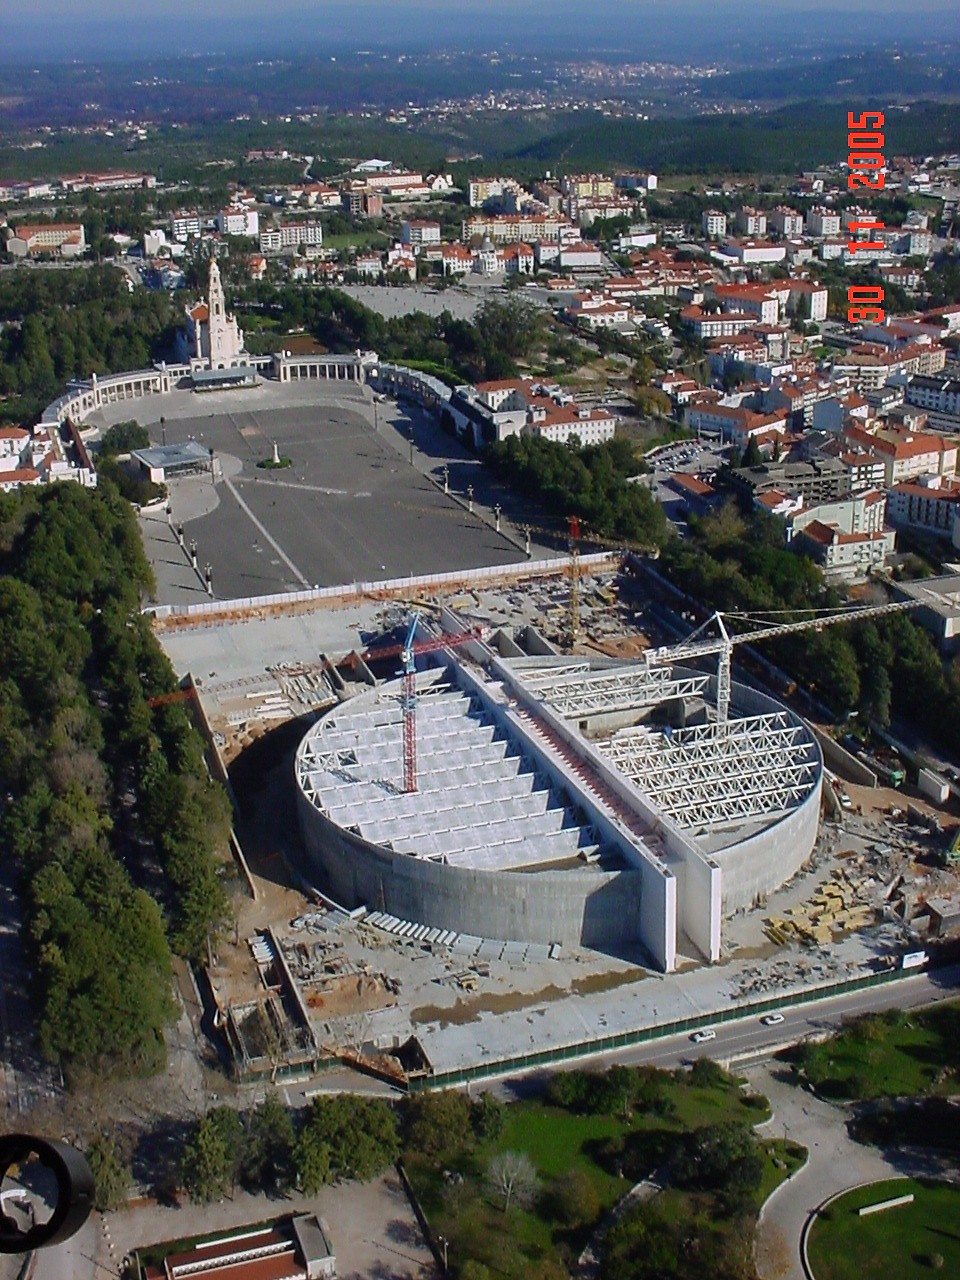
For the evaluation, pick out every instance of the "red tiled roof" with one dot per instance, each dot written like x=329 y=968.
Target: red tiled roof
x=693 y=484
x=20 y=475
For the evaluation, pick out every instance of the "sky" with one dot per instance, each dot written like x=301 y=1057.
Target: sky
x=58 y=29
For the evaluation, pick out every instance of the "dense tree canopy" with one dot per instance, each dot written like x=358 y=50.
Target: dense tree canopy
x=58 y=325
x=590 y=483
x=78 y=665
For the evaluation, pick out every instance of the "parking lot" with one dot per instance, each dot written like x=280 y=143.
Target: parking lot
x=689 y=457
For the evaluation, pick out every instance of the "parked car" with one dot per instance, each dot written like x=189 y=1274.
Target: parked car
x=701 y=1037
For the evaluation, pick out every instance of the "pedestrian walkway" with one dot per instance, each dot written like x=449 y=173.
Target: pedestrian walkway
x=836 y=1163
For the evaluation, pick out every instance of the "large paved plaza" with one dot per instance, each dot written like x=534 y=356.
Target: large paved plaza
x=349 y=508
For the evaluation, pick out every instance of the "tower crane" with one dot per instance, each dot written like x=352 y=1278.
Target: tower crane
x=408 y=652
x=724 y=644
x=573 y=523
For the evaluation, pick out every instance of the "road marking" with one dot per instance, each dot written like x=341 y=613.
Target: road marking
x=276 y=545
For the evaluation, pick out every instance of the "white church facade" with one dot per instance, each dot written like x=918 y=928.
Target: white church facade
x=211 y=339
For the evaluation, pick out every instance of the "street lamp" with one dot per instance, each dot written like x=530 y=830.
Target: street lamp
x=443 y=1242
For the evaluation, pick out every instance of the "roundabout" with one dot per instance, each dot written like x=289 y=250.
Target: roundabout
x=908 y=1241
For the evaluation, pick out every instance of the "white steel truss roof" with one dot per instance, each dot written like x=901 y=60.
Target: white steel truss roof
x=711 y=774
x=582 y=693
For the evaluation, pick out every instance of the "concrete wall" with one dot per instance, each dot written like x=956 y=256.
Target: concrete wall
x=575 y=907
x=656 y=926
x=843 y=761
x=700 y=916
x=754 y=867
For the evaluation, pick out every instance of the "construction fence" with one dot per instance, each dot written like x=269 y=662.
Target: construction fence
x=349 y=592
x=627 y=1039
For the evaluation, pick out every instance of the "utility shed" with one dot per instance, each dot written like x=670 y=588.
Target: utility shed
x=313 y=1239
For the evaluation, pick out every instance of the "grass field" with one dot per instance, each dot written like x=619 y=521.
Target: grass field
x=559 y=1141
x=888 y=1055
x=907 y=1243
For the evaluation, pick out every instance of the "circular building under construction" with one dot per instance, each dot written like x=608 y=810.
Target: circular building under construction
x=558 y=799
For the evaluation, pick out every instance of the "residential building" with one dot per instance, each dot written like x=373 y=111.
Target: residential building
x=822 y=222
x=786 y=222
x=599 y=312
x=419 y=234
x=716 y=324
x=713 y=223
x=524 y=406
x=818 y=480
x=938 y=394
x=237 y=220
x=753 y=252
x=314 y=194
x=65 y=239
x=751 y=299
x=844 y=557
x=580 y=255
x=480 y=190
x=395 y=182
x=906 y=455
x=183 y=225
x=635 y=181
x=751 y=222
x=508 y=228
x=455 y=259
x=930 y=504
x=587 y=186
x=908 y=278
x=290 y=235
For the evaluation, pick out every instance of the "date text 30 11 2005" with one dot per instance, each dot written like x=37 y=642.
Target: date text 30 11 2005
x=866 y=165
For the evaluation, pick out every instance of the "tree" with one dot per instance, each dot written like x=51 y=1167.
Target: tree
x=752 y=457
x=721 y=1157
x=487 y=1116
x=572 y=1200
x=207 y=1169
x=438 y=1124
x=111 y=1175
x=361 y=1134
x=641 y=1245
x=511 y=1175
x=311 y=1158
x=268 y=1145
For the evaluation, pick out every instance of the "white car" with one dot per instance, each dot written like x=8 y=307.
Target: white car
x=701 y=1037
x=772 y=1019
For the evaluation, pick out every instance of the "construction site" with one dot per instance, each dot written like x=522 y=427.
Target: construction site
x=468 y=800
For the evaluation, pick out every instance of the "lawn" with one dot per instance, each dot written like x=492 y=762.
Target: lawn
x=888 y=1055
x=356 y=240
x=900 y=1243
x=596 y=1145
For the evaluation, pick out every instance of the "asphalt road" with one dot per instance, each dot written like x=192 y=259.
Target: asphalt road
x=747 y=1039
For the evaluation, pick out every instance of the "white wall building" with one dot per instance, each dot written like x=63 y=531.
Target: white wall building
x=290 y=235
x=713 y=223
x=822 y=222
x=236 y=220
